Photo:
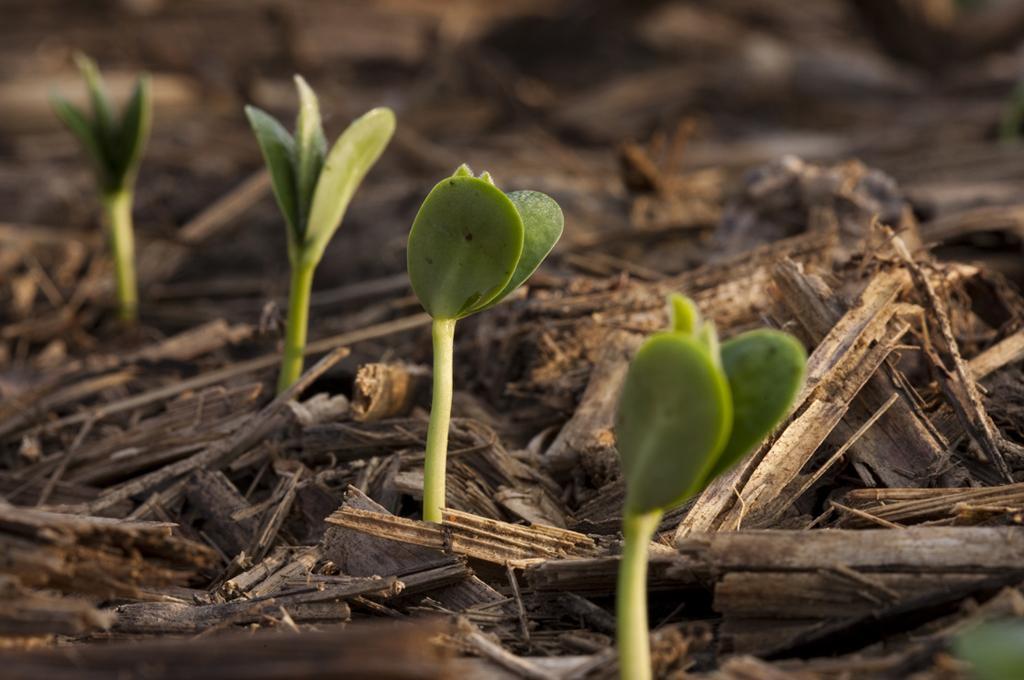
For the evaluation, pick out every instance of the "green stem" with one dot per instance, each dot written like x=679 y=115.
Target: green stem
x=117 y=209
x=443 y=331
x=298 y=323
x=631 y=596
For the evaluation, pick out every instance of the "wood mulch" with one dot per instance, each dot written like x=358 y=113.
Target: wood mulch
x=163 y=514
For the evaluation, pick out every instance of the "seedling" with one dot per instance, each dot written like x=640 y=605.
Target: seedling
x=469 y=247
x=114 y=146
x=313 y=189
x=994 y=650
x=689 y=410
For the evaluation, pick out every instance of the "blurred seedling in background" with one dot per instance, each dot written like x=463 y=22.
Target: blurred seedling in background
x=114 y=145
x=313 y=188
x=995 y=650
x=690 y=409
x=469 y=247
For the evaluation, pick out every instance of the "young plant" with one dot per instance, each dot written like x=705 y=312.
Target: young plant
x=469 y=247
x=313 y=189
x=689 y=410
x=994 y=649
x=114 y=145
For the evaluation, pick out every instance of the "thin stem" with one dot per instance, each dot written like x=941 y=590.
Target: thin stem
x=298 y=323
x=631 y=596
x=117 y=209
x=443 y=331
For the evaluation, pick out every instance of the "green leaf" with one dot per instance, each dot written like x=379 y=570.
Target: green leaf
x=310 y=149
x=278 y=149
x=673 y=420
x=102 y=115
x=81 y=128
x=349 y=160
x=464 y=246
x=995 y=650
x=133 y=132
x=683 y=314
x=542 y=227
x=765 y=369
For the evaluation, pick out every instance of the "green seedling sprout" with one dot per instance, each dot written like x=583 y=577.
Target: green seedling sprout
x=689 y=410
x=470 y=246
x=114 y=145
x=313 y=188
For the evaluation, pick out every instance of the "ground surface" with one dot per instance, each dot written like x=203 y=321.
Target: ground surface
x=845 y=170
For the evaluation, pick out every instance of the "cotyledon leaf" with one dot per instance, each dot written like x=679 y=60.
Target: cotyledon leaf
x=463 y=246
x=310 y=149
x=673 y=420
x=344 y=168
x=102 y=114
x=542 y=227
x=83 y=130
x=278 y=150
x=765 y=369
x=133 y=131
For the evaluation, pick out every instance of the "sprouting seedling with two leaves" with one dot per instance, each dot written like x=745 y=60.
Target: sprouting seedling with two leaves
x=313 y=188
x=470 y=246
x=114 y=145
x=690 y=409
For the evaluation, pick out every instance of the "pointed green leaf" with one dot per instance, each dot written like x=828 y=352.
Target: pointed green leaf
x=278 y=149
x=683 y=314
x=102 y=115
x=310 y=148
x=133 y=131
x=463 y=247
x=82 y=129
x=765 y=370
x=542 y=227
x=349 y=160
x=673 y=420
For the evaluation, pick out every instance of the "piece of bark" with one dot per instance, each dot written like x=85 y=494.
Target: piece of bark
x=299 y=566
x=244 y=582
x=598 y=576
x=368 y=651
x=957 y=382
x=587 y=438
x=387 y=390
x=213 y=499
x=461 y=533
x=787 y=589
x=359 y=554
x=93 y=555
x=912 y=506
x=166 y=618
x=27 y=613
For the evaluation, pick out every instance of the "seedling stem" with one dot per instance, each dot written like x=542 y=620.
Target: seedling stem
x=298 y=323
x=117 y=209
x=631 y=594
x=443 y=331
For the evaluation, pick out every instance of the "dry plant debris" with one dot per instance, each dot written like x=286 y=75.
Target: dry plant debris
x=164 y=514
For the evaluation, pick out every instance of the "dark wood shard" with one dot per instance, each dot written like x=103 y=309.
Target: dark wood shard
x=377 y=651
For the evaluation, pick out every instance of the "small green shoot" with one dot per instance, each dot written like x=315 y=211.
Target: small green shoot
x=470 y=246
x=313 y=188
x=689 y=410
x=114 y=145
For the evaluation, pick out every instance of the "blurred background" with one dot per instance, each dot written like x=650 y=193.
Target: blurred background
x=641 y=118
